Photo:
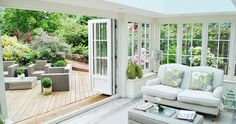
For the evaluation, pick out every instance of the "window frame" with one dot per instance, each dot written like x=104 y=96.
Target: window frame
x=140 y=40
x=232 y=47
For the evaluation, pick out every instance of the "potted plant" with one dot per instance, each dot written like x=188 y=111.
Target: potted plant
x=20 y=71
x=1 y=119
x=60 y=63
x=47 y=86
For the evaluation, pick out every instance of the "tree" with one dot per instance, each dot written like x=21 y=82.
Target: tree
x=72 y=31
x=22 y=23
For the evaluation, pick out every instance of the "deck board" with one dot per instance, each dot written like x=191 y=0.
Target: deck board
x=24 y=104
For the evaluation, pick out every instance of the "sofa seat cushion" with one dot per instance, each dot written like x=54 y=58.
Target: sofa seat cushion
x=5 y=72
x=198 y=97
x=162 y=91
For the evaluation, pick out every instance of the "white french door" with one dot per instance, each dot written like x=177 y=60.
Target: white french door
x=101 y=55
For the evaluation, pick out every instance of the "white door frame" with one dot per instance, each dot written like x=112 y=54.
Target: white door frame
x=3 y=102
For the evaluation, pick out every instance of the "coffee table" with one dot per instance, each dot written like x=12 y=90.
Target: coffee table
x=15 y=83
x=141 y=117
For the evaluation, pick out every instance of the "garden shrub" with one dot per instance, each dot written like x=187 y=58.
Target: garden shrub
x=50 y=48
x=14 y=50
x=20 y=70
x=60 y=63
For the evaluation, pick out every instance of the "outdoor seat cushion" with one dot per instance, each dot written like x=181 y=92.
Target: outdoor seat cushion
x=162 y=91
x=5 y=72
x=198 y=97
x=38 y=72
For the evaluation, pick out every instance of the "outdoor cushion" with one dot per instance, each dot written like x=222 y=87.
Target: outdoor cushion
x=162 y=91
x=172 y=77
x=5 y=72
x=38 y=72
x=201 y=81
x=198 y=97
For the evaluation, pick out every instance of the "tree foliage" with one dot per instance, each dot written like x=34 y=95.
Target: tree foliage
x=23 y=22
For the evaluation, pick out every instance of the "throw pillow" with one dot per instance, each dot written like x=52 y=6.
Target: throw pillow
x=201 y=81
x=172 y=77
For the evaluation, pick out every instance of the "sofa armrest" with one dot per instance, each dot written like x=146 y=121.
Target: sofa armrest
x=31 y=69
x=218 y=92
x=155 y=81
x=12 y=70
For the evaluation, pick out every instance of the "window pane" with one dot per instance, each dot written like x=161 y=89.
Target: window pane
x=186 y=60
x=187 y=31
x=164 y=31
x=197 y=31
x=172 y=58
x=224 y=49
x=164 y=46
x=225 y=31
x=213 y=47
x=172 y=46
x=169 y=42
x=223 y=65
x=186 y=47
x=213 y=31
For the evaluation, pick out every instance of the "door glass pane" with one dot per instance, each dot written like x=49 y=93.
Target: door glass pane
x=97 y=31
x=103 y=48
x=101 y=67
x=98 y=49
x=197 y=31
x=186 y=47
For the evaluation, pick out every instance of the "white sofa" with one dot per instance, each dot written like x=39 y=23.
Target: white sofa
x=183 y=97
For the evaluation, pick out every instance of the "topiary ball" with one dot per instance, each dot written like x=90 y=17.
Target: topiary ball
x=46 y=82
x=139 y=70
x=131 y=70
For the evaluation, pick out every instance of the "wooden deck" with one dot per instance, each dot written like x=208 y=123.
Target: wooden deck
x=23 y=104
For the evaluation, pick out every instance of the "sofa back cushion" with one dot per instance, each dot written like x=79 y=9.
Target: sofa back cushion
x=172 y=77
x=201 y=81
x=184 y=84
x=218 y=75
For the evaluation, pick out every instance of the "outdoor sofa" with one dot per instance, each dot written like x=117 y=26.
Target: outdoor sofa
x=9 y=68
x=40 y=67
x=61 y=77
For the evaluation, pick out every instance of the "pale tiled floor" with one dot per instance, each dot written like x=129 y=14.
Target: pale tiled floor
x=116 y=112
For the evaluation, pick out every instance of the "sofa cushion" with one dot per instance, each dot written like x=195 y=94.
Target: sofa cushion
x=162 y=91
x=201 y=81
x=172 y=77
x=198 y=97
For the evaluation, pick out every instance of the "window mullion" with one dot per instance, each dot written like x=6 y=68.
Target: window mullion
x=139 y=42
x=204 y=44
x=218 y=46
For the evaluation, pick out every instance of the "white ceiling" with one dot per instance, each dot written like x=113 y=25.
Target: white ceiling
x=105 y=5
x=157 y=7
x=175 y=7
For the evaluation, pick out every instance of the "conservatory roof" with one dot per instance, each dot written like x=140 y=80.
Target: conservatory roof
x=173 y=7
